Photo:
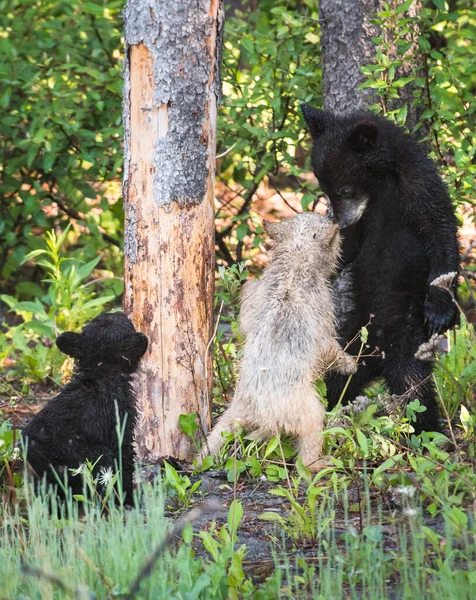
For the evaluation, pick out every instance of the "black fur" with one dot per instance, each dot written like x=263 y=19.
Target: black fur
x=399 y=233
x=81 y=421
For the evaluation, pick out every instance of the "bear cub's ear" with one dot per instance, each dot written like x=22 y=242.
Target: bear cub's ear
x=134 y=346
x=317 y=120
x=363 y=136
x=70 y=343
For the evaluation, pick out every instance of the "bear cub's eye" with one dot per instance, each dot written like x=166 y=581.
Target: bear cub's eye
x=346 y=192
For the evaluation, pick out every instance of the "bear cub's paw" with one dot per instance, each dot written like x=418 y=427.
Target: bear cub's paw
x=440 y=310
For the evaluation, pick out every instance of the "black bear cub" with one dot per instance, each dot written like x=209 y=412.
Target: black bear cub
x=80 y=423
x=399 y=234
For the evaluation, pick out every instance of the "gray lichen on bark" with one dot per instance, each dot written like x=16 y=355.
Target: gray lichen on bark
x=177 y=34
x=346 y=46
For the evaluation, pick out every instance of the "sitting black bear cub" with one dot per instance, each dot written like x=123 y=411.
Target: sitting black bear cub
x=399 y=234
x=80 y=423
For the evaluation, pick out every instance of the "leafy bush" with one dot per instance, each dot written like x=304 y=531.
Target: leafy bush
x=431 y=54
x=60 y=127
x=69 y=303
x=270 y=63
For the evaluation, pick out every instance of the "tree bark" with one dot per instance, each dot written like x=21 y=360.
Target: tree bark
x=346 y=33
x=346 y=47
x=171 y=88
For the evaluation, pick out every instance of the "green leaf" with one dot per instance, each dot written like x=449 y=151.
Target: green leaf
x=235 y=514
x=390 y=463
x=34 y=253
x=35 y=308
x=210 y=544
x=424 y=44
x=401 y=8
x=363 y=442
x=85 y=270
x=96 y=302
x=271 y=447
x=271 y=516
x=188 y=424
x=248 y=44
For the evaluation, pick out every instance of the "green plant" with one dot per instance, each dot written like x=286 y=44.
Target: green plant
x=455 y=371
x=179 y=487
x=305 y=521
x=8 y=454
x=227 y=338
x=221 y=546
x=441 y=79
x=69 y=302
x=60 y=127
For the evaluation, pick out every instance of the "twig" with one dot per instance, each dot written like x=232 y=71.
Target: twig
x=176 y=531
x=79 y=593
x=442 y=402
x=74 y=214
x=285 y=465
x=286 y=202
x=207 y=400
x=230 y=261
x=226 y=151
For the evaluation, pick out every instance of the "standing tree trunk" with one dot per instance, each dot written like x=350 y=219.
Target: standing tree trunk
x=346 y=47
x=171 y=89
x=346 y=32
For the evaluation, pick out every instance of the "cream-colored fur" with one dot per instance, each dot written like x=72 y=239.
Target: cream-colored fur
x=287 y=320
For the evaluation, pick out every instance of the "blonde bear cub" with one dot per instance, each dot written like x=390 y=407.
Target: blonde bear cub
x=287 y=320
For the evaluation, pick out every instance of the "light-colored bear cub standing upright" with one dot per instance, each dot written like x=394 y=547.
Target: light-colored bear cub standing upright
x=287 y=319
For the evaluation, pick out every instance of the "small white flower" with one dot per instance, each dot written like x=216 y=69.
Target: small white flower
x=410 y=512
x=15 y=454
x=105 y=476
x=406 y=490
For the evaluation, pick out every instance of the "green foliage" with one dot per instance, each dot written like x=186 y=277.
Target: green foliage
x=306 y=520
x=60 y=130
x=431 y=53
x=241 y=454
x=270 y=63
x=8 y=454
x=220 y=544
x=227 y=339
x=455 y=371
x=70 y=301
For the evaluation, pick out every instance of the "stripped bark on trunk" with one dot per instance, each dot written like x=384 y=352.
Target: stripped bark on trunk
x=171 y=89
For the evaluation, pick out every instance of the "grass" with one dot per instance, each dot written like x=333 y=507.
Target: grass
x=53 y=551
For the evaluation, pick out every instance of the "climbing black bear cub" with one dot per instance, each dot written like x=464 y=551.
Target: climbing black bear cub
x=399 y=234
x=80 y=423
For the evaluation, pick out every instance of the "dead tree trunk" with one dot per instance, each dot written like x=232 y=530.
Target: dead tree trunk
x=171 y=88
